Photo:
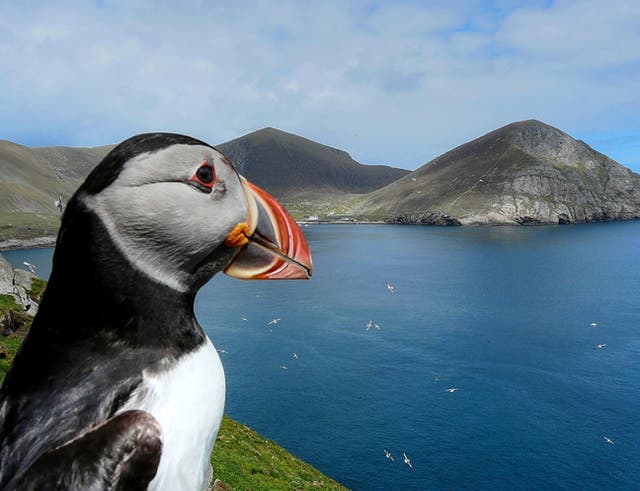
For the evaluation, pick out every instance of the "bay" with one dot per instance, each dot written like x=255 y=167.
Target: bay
x=503 y=314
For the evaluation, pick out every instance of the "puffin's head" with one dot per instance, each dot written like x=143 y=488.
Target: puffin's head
x=179 y=212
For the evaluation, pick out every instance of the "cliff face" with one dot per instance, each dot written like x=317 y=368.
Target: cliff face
x=525 y=172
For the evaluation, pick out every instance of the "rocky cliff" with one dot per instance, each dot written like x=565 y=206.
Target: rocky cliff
x=20 y=294
x=523 y=173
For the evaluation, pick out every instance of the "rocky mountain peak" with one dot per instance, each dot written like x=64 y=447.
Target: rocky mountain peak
x=546 y=142
x=524 y=172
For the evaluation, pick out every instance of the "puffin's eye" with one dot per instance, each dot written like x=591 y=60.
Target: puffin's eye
x=205 y=174
x=204 y=179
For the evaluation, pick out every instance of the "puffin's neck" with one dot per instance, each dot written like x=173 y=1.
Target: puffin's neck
x=94 y=293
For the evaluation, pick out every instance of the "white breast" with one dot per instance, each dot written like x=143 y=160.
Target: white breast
x=188 y=402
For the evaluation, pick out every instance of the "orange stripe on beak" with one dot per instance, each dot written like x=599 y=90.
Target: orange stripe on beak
x=272 y=243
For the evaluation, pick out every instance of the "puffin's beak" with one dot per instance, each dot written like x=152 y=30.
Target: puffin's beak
x=272 y=245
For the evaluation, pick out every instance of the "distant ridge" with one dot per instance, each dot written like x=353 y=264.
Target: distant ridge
x=308 y=176
x=290 y=166
x=526 y=172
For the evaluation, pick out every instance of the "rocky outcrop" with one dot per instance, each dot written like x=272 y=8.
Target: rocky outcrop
x=429 y=218
x=18 y=284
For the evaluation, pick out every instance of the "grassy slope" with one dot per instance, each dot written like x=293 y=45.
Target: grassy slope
x=242 y=459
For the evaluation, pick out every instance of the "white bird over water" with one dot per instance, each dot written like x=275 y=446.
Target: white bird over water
x=274 y=321
x=594 y=324
x=391 y=288
x=407 y=460
x=600 y=346
x=451 y=389
x=295 y=355
x=608 y=440
x=371 y=324
x=388 y=455
x=32 y=267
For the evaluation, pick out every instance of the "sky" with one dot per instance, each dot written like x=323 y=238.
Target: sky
x=391 y=82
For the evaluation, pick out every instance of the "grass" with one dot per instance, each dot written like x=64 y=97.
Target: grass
x=37 y=289
x=8 y=303
x=245 y=461
x=242 y=459
x=8 y=348
x=9 y=344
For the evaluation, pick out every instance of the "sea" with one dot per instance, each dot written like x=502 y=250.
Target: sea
x=492 y=357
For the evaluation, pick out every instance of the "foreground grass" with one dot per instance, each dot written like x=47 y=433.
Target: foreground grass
x=245 y=461
x=9 y=344
x=242 y=459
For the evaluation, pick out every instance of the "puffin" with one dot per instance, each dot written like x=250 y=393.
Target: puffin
x=116 y=386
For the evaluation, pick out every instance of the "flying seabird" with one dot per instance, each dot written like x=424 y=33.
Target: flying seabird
x=407 y=460
x=274 y=321
x=451 y=389
x=600 y=346
x=31 y=266
x=388 y=455
x=608 y=440
x=116 y=385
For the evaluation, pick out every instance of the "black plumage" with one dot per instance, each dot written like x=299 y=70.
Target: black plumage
x=100 y=323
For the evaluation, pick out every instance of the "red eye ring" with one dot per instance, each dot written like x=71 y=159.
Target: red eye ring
x=204 y=178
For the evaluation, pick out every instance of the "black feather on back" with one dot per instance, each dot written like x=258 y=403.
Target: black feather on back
x=122 y=454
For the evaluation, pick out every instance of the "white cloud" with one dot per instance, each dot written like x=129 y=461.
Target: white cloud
x=391 y=82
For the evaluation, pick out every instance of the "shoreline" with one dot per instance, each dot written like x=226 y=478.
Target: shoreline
x=33 y=243
x=50 y=241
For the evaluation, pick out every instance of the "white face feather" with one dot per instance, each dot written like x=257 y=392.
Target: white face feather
x=164 y=226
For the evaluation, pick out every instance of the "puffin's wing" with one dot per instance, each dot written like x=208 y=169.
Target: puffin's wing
x=121 y=454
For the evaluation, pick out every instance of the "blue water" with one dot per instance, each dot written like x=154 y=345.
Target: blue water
x=501 y=313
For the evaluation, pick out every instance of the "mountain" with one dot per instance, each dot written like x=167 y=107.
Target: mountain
x=307 y=176
x=290 y=166
x=525 y=172
x=31 y=180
